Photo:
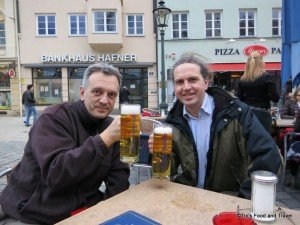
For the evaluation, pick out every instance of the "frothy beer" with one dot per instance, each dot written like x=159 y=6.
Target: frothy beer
x=130 y=133
x=162 y=150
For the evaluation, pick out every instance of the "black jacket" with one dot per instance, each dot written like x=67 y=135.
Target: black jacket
x=238 y=146
x=64 y=163
x=28 y=98
x=258 y=93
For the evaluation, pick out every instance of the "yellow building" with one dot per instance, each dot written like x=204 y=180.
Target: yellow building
x=9 y=79
x=59 y=39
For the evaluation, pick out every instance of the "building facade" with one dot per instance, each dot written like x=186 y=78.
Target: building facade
x=56 y=40
x=9 y=82
x=59 y=39
x=223 y=33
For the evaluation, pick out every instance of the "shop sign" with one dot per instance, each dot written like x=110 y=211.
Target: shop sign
x=226 y=51
x=276 y=50
x=71 y=58
x=11 y=73
x=259 y=48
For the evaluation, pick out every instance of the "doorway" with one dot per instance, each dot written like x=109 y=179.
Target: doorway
x=136 y=81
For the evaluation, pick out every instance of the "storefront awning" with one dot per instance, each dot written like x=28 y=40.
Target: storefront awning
x=218 y=67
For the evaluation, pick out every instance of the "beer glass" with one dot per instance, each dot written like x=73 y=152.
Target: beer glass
x=162 y=151
x=130 y=132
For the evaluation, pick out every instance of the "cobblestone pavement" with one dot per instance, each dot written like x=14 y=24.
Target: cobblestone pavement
x=13 y=137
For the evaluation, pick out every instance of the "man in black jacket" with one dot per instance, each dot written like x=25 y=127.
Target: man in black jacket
x=72 y=149
x=29 y=103
x=217 y=140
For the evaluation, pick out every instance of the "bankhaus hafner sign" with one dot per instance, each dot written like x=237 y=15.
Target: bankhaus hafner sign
x=69 y=58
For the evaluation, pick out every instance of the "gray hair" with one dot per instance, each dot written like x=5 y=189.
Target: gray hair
x=193 y=58
x=104 y=68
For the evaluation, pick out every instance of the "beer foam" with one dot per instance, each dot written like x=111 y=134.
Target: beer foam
x=130 y=109
x=163 y=130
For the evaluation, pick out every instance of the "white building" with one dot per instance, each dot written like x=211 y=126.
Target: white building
x=224 y=32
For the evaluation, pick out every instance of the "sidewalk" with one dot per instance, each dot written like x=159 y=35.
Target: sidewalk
x=13 y=137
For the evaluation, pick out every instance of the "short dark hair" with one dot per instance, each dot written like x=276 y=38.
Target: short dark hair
x=29 y=86
x=104 y=68
x=193 y=58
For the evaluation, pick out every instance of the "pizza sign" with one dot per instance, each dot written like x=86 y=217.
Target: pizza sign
x=259 y=48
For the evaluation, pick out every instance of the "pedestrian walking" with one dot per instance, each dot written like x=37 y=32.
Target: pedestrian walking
x=29 y=103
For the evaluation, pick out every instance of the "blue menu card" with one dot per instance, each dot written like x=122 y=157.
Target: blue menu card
x=130 y=218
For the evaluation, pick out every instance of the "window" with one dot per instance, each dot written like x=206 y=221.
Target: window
x=213 y=24
x=77 y=24
x=5 y=100
x=247 y=23
x=4 y=80
x=135 y=25
x=2 y=34
x=75 y=77
x=47 y=85
x=179 y=25
x=276 y=22
x=46 y=25
x=105 y=22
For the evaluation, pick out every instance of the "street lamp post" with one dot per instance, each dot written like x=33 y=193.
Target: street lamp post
x=162 y=14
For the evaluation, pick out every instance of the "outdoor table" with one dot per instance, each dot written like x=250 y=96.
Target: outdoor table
x=280 y=124
x=169 y=203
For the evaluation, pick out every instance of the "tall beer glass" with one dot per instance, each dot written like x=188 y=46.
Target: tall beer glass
x=130 y=132
x=162 y=150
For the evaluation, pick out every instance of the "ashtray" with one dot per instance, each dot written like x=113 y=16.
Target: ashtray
x=232 y=218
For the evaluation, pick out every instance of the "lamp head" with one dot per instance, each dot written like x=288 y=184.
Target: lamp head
x=162 y=15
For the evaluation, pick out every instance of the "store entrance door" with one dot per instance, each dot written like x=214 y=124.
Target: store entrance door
x=136 y=81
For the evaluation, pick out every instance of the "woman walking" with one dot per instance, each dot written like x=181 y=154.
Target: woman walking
x=257 y=89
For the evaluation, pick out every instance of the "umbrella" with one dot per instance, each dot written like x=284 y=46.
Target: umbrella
x=290 y=42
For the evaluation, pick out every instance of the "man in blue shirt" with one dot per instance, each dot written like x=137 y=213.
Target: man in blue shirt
x=217 y=141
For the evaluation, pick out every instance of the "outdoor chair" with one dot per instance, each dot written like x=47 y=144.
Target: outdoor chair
x=289 y=138
x=144 y=162
x=6 y=173
x=150 y=112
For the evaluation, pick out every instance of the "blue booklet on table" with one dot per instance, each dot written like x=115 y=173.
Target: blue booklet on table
x=132 y=218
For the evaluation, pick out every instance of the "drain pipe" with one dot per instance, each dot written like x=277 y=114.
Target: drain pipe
x=16 y=12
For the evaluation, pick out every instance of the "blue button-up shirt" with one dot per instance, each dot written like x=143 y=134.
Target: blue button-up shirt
x=200 y=127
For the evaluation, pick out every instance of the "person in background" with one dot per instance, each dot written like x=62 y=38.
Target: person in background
x=257 y=89
x=297 y=120
x=72 y=149
x=287 y=90
x=294 y=151
x=124 y=95
x=291 y=105
x=217 y=141
x=29 y=104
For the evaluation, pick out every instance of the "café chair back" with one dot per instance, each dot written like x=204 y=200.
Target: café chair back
x=144 y=162
x=289 y=138
x=6 y=173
